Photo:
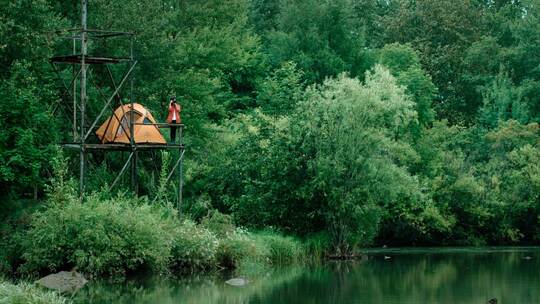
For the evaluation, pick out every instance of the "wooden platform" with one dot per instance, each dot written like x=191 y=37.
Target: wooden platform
x=88 y=59
x=122 y=147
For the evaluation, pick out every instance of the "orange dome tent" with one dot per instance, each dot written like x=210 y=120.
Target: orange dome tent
x=116 y=128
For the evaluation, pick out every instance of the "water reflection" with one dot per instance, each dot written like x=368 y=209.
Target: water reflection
x=428 y=276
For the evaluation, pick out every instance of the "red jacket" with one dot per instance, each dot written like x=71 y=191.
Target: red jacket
x=176 y=109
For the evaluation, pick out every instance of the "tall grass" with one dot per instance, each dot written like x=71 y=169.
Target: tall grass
x=280 y=250
x=238 y=247
x=317 y=246
x=26 y=293
x=242 y=248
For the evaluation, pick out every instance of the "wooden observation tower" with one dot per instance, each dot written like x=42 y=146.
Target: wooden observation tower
x=80 y=64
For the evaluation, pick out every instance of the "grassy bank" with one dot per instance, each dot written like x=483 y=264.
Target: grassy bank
x=25 y=293
x=122 y=236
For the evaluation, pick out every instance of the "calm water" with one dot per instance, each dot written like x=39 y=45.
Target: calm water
x=512 y=275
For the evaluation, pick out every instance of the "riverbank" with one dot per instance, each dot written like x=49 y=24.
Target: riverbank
x=409 y=276
x=111 y=239
x=118 y=237
x=28 y=293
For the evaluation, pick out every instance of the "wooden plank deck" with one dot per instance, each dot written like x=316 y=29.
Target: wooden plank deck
x=123 y=147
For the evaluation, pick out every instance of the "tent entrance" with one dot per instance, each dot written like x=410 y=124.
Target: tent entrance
x=123 y=130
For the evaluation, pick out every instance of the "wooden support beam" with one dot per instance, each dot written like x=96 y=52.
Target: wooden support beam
x=180 y=181
x=121 y=171
x=109 y=100
x=83 y=96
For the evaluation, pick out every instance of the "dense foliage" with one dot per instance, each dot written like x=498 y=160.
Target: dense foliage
x=97 y=237
x=122 y=236
x=346 y=123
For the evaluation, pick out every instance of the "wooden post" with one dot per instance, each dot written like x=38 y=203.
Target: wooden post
x=180 y=180
x=74 y=95
x=83 y=94
x=134 y=170
x=180 y=169
x=131 y=130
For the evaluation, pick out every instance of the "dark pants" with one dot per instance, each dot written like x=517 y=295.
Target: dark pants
x=173 y=131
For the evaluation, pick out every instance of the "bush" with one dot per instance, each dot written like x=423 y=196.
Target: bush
x=238 y=248
x=108 y=237
x=219 y=223
x=8 y=249
x=12 y=230
x=281 y=249
x=318 y=246
x=113 y=237
x=241 y=247
x=193 y=247
x=25 y=293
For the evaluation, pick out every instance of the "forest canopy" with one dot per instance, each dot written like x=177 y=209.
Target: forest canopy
x=405 y=122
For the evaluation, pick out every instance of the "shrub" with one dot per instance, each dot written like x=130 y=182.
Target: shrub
x=108 y=237
x=238 y=248
x=8 y=249
x=193 y=247
x=12 y=230
x=318 y=246
x=25 y=293
x=219 y=223
x=281 y=249
x=241 y=247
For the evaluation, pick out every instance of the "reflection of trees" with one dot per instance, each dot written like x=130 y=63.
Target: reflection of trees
x=460 y=277
x=196 y=289
x=443 y=278
x=451 y=277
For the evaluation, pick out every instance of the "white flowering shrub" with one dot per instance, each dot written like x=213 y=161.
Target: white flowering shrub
x=194 y=247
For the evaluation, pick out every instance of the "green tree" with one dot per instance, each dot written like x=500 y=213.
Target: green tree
x=512 y=175
x=323 y=38
x=503 y=101
x=22 y=32
x=27 y=96
x=457 y=192
x=404 y=63
x=340 y=163
x=27 y=141
x=279 y=93
x=441 y=31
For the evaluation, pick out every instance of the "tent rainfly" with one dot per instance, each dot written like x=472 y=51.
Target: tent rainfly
x=116 y=128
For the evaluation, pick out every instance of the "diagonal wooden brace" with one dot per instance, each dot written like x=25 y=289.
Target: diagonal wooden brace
x=126 y=76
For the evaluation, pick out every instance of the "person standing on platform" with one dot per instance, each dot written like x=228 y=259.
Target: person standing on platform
x=174 y=117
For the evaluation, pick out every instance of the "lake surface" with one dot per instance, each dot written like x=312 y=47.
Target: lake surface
x=450 y=275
